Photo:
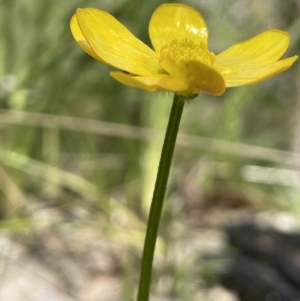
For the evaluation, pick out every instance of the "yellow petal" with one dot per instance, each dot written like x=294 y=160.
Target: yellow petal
x=115 y=44
x=80 y=39
x=197 y=76
x=176 y=21
x=152 y=83
x=258 y=51
x=244 y=77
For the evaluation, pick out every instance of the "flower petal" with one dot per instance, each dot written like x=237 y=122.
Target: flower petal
x=115 y=44
x=197 y=76
x=258 y=51
x=152 y=83
x=176 y=21
x=249 y=76
x=80 y=39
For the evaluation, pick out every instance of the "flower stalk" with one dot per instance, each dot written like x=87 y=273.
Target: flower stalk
x=158 y=197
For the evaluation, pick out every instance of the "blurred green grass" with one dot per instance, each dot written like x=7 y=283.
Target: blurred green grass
x=99 y=175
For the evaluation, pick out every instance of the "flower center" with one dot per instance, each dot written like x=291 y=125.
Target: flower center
x=188 y=50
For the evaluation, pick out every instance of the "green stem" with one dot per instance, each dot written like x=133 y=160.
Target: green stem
x=158 y=197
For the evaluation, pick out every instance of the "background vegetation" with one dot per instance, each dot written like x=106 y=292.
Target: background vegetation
x=79 y=151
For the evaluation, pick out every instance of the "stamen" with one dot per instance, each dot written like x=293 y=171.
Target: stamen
x=188 y=50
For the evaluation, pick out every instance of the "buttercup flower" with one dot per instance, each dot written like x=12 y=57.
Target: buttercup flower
x=180 y=61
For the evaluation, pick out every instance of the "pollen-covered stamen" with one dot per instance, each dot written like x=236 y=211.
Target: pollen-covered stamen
x=187 y=50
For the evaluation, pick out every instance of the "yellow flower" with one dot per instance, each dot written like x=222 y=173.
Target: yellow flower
x=180 y=61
